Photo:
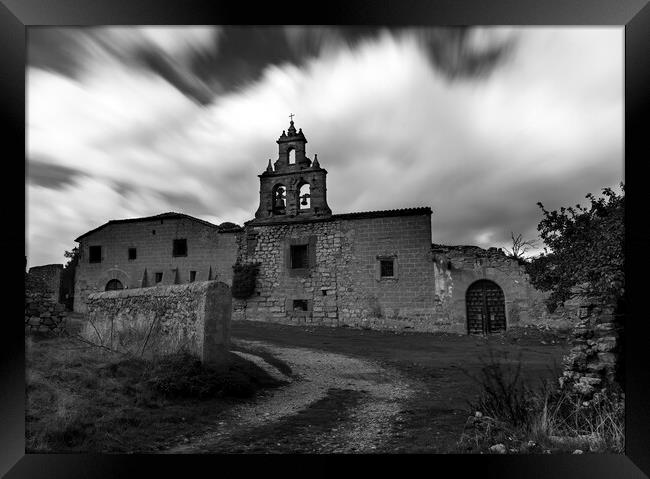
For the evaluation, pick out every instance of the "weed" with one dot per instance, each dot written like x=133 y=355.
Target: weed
x=509 y=410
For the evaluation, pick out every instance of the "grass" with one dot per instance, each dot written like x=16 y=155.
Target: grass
x=83 y=399
x=523 y=417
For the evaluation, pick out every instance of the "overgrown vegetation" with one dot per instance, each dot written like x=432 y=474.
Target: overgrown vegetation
x=68 y=275
x=81 y=398
x=520 y=247
x=534 y=418
x=586 y=251
x=243 y=281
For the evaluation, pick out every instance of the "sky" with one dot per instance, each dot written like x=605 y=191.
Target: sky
x=479 y=123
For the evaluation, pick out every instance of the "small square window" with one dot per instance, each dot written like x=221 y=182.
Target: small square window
x=180 y=247
x=299 y=256
x=192 y=276
x=95 y=254
x=387 y=269
x=158 y=277
x=300 y=305
x=132 y=253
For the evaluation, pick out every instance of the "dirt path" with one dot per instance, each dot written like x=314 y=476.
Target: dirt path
x=333 y=403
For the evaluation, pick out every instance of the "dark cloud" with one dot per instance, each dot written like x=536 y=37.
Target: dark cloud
x=49 y=175
x=54 y=49
x=240 y=55
x=454 y=52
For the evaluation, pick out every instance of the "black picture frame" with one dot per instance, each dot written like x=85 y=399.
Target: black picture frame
x=634 y=15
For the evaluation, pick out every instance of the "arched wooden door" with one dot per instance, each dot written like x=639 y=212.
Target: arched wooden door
x=486 y=308
x=113 y=285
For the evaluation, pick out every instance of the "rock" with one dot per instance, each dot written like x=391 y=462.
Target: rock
x=577 y=451
x=498 y=449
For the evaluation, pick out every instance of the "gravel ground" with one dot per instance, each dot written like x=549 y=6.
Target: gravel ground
x=382 y=392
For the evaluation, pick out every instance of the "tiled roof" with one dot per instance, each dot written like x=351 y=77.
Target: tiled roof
x=384 y=213
x=163 y=216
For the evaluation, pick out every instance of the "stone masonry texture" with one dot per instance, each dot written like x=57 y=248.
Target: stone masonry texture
x=210 y=253
x=193 y=317
x=343 y=286
x=42 y=313
x=51 y=275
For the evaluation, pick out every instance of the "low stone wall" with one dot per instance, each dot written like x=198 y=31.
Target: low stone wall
x=50 y=274
x=42 y=313
x=591 y=364
x=162 y=320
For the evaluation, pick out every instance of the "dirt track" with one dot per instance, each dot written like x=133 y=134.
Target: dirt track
x=333 y=403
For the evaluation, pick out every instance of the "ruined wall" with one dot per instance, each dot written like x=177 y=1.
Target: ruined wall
x=210 y=254
x=343 y=285
x=457 y=267
x=50 y=274
x=592 y=363
x=42 y=313
x=162 y=319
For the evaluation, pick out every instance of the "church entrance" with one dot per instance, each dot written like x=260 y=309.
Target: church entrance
x=113 y=285
x=486 y=308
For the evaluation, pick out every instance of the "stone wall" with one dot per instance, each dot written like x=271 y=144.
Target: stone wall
x=42 y=313
x=50 y=274
x=210 y=255
x=594 y=357
x=343 y=284
x=162 y=320
x=457 y=267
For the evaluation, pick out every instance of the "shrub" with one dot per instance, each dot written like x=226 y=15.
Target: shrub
x=243 y=281
x=504 y=395
x=512 y=411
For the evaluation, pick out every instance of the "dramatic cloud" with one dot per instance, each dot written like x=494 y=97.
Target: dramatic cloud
x=479 y=124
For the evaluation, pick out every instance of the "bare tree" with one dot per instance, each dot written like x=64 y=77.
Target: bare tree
x=519 y=247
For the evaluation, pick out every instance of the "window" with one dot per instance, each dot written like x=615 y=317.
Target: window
x=158 y=277
x=180 y=247
x=132 y=253
x=292 y=156
x=299 y=256
x=192 y=276
x=386 y=268
x=300 y=305
x=251 y=242
x=113 y=285
x=95 y=254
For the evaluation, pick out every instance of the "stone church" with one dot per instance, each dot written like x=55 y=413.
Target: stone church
x=376 y=269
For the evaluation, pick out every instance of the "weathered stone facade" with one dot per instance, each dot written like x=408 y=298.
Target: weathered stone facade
x=458 y=267
x=209 y=254
x=50 y=274
x=592 y=363
x=42 y=313
x=343 y=284
x=294 y=188
x=162 y=320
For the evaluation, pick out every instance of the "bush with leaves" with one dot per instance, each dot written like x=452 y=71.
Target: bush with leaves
x=243 y=281
x=586 y=251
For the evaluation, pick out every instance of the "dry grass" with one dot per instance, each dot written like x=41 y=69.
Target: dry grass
x=542 y=418
x=84 y=399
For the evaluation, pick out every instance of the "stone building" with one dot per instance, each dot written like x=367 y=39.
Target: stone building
x=374 y=269
x=170 y=248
